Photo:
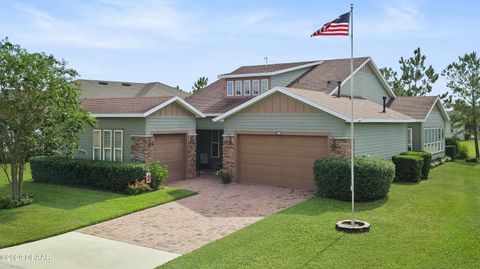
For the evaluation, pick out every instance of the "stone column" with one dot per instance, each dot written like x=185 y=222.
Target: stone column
x=229 y=155
x=191 y=155
x=340 y=147
x=142 y=148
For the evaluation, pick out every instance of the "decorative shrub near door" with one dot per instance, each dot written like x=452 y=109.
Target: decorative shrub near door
x=112 y=176
x=373 y=178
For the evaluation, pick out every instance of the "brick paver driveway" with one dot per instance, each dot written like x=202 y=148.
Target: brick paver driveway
x=187 y=224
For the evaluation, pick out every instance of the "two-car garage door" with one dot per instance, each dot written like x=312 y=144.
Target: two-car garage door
x=281 y=160
x=170 y=150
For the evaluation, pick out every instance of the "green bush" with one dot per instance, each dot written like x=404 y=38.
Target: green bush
x=427 y=161
x=372 y=178
x=462 y=152
x=112 y=176
x=6 y=202
x=471 y=160
x=451 y=151
x=408 y=168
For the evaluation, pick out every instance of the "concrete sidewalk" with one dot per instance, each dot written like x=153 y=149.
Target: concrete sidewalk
x=76 y=250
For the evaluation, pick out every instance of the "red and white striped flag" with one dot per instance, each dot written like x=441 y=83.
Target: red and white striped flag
x=339 y=26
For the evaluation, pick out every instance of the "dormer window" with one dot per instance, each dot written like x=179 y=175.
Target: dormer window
x=238 y=87
x=246 y=87
x=229 y=88
x=256 y=87
x=264 y=85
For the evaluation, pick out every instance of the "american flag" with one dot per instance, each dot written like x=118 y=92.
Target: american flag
x=339 y=26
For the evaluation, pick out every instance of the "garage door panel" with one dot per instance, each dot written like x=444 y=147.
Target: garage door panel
x=279 y=160
x=170 y=150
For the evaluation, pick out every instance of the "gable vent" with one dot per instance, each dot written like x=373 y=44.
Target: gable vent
x=103 y=83
x=126 y=84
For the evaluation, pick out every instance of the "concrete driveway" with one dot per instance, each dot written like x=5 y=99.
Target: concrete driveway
x=187 y=224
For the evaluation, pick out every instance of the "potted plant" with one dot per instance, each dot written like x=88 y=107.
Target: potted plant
x=225 y=175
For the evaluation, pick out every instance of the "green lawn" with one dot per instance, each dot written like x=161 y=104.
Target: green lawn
x=471 y=147
x=432 y=224
x=58 y=209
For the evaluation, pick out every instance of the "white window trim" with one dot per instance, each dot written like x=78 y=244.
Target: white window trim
x=249 y=87
x=93 y=146
x=103 y=144
x=230 y=82
x=121 y=146
x=261 y=86
x=410 y=138
x=238 y=82
x=217 y=143
x=255 y=81
x=434 y=140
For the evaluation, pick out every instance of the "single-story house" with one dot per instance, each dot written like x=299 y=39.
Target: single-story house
x=266 y=124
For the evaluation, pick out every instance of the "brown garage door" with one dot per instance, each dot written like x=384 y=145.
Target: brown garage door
x=170 y=150
x=285 y=160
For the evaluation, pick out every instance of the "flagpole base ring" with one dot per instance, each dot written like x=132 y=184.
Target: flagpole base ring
x=358 y=227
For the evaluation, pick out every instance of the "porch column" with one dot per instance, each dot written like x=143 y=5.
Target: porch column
x=142 y=148
x=191 y=155
x=340 y=147
x=229 y=155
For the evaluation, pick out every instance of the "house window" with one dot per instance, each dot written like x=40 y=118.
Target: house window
x=229 y=88
x=107 y=145
x=256 y=87
x=410 y=139
x=215 y=143
x=246 y=87
x=434 y=140
x=264 y=85
x=118 y=145
x=97 y=145
x=238 y=87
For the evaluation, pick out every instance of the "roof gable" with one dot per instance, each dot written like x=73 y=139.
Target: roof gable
x=418 y=107
x=268 y=69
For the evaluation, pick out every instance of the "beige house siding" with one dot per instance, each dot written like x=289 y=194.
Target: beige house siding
x=172 y=118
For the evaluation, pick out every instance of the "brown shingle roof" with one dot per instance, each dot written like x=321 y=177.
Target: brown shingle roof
x=118 y=89
x=414 y=106
x=212 y=99
x=330 y=70
x=122 y=105
x=265 y=68
x=363 y=108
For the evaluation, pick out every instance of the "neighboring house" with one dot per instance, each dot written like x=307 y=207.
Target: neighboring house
x=267 y=124
x=119 y=89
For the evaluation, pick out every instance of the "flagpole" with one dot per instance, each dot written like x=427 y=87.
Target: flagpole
x=352 y=157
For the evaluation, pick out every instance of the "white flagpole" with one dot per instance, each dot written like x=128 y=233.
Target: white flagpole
x=352 y=157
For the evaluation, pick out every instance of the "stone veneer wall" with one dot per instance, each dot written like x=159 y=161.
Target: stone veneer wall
x=340 y=147
x=142 y=149
x=229 y=155
x=191 y=155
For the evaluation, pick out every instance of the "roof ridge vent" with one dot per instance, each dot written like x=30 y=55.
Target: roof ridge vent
x=103 y=83
x=126 y=84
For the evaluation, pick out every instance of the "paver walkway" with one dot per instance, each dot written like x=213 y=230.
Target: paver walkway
x=187 y=224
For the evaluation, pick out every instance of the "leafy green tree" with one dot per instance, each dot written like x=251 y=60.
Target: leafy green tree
x=39 y=110
x=201 y=83
x=416 y=78
x=463 y=78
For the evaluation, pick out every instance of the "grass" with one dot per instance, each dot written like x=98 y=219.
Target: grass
x=59 y=209
x=471 y=147
x=431 y=224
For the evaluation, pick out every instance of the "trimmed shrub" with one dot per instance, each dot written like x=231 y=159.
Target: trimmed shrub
x=6 y=202
x=372 y=178
x=408 y=168
x=427 y=161
x=462 y=152
x=112 y=176
x=451 y=151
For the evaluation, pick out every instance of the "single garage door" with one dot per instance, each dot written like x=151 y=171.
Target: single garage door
x=283 y=160
x=170 y=150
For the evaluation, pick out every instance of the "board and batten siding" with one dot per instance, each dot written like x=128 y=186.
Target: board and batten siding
x=172 y=118
x=381 y=140
x=366 y=85
x=130 y=126
x=285 y=79
x=436 y=120
x=208 y=124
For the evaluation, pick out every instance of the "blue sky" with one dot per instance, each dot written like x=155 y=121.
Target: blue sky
x=176 y=42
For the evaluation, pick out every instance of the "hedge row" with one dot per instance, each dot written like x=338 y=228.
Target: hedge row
x=372 y=178
x=112 y=176
x=427 y=161
x=408 y=168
